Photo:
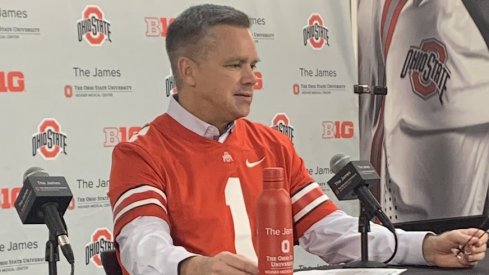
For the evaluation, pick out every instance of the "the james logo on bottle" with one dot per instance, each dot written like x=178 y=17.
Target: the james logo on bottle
x=274 y=225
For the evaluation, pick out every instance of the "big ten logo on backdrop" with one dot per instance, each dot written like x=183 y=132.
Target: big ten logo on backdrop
x=338 y=129
x=49 y=141
x=315 y=33
x=114 y=135
x=8 y=196
x=12 y=81
x=281 y=123
x=101 y=240
x=427 y=69
x=157 y=26
x=93 y=26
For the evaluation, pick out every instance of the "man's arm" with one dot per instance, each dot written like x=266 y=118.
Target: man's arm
x=335 y=239
x=146 y=247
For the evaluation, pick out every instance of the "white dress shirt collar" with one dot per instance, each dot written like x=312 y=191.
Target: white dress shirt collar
x=194 y=124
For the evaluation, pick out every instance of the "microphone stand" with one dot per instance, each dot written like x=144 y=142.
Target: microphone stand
x=52 y=253
x=364 y=228
x=366 y=118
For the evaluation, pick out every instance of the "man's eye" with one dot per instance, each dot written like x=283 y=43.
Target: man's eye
x=237 y=65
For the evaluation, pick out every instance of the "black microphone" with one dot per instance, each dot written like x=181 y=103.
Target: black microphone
x=43 y=199
x=351 y=181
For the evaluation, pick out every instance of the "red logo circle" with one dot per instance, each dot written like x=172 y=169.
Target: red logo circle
x=68 y=91
x=296 y=89
x=280 y=117
x=43 y=127
x=316 y=19
x=93 y=11
x=101 y=233
x=420 y=87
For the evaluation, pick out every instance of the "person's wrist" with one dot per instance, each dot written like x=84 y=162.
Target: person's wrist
x=429 y=248
x=191 y=265
x=185 y=265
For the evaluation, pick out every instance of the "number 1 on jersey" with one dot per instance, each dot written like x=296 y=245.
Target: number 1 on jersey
x=242 y=231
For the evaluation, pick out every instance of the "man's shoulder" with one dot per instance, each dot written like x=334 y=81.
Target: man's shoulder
x=147 y=137
x=253 y=126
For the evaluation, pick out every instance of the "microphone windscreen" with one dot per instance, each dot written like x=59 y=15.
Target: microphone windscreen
x=35 y=171
x=338 y=161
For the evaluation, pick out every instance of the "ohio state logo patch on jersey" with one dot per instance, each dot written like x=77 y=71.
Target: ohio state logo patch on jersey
x=427 y=70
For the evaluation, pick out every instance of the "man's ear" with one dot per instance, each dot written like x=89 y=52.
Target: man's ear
x=187 y=70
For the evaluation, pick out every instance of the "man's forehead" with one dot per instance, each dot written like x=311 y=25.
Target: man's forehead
x=233 y=37
x=223 y=45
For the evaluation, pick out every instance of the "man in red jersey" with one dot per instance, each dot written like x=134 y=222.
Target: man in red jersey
x=183 y=191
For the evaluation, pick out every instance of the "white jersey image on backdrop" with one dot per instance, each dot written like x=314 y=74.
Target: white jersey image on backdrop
x=430 y=135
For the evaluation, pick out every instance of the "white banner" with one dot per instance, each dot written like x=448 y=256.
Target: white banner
x=69 y=92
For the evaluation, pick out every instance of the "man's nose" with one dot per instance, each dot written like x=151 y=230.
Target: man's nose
x=248 y=76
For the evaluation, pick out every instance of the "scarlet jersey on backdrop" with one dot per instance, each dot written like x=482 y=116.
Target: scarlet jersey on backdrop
x=429 y=134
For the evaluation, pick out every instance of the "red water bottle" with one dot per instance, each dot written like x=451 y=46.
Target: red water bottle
x=274 y=225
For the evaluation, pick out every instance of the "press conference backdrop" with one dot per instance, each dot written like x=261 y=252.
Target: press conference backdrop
x=77 y=77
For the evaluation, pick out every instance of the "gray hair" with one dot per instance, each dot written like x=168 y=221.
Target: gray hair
x=187 y=33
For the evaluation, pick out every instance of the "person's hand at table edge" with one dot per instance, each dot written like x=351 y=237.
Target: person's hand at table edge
x=445 y=250
x=223 y=263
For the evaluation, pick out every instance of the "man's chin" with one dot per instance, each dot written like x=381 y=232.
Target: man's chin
x=242 y=114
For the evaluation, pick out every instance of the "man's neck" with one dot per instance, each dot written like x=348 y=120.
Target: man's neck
x=221 y=127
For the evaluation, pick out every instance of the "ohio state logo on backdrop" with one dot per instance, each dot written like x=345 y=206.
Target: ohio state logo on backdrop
x=49 y=141
x=101 y=240
x=315 y=33
x=281 y=123
x=427 y=70
x=93 y=26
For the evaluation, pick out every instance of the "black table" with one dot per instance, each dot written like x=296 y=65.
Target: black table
x=481 y=269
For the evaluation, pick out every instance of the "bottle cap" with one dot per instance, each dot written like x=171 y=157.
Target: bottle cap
x=273 y=174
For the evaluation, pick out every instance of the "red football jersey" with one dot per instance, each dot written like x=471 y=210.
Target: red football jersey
x=205 y=190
